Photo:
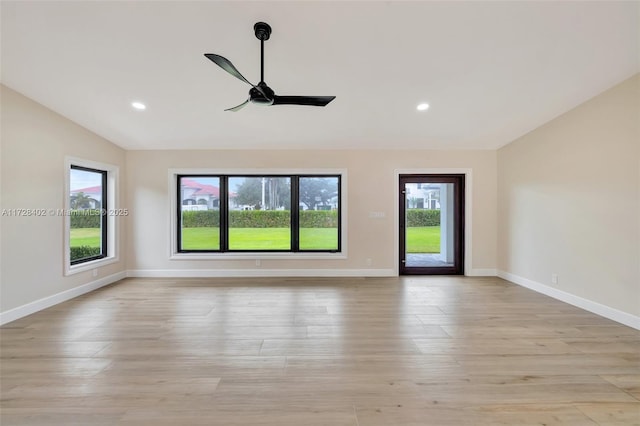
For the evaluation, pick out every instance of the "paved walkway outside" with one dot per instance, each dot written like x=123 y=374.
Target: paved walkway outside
x=425 y=260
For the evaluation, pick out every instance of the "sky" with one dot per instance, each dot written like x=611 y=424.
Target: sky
x=83 y=179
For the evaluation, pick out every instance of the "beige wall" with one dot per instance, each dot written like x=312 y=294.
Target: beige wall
x=372 y=183
x=35 y=141
x=569 y=195
x=563 y=199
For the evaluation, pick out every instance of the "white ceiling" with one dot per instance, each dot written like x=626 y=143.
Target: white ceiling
x=491 y=71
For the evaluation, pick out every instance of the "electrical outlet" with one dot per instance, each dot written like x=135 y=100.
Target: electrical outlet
x=554 y=278
x=94 y=272
x=258 y=262
x=369 y=262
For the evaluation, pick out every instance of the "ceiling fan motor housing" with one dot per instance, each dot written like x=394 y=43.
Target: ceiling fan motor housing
x=257 y=97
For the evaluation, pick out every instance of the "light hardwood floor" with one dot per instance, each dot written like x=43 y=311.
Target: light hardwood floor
x=340 y=351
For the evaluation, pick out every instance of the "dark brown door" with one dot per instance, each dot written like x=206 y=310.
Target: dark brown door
x=431 y=224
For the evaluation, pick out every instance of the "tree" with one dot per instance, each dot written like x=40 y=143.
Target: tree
x=277 y=193
x=249 y=192
x=317 y=191
x=81 y=201
x=314 y=191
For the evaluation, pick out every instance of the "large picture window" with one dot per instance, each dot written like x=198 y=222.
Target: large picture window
x=88 y=220
x=258 y=213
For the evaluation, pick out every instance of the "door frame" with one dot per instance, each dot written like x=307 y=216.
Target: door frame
x=457 y=181
x=468 y=210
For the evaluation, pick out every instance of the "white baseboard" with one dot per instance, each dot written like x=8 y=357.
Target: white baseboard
x=46 y=302
x=228 y=273
x=482 y=273
x=586 y=304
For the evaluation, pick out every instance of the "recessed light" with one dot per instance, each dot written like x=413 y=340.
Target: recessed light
x=422 y=107
x=138 y=105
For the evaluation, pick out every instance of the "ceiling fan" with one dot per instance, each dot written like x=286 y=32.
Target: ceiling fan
x=262 y=94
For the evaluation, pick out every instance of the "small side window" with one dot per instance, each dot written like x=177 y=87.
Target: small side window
x=88 y=228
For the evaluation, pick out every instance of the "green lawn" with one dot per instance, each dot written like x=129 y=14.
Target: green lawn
x=424 y=239
x=259 y=238
x=200 y=238
x=318 y=238
x=85 y=237
x=419 y=239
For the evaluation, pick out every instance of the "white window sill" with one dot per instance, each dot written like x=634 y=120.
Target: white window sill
x=256 y=256
x=88 y=266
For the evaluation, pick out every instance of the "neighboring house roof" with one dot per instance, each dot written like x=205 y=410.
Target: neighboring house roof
x=89 y=190
x=200 y=188
x=214 y=192
x=203 y=189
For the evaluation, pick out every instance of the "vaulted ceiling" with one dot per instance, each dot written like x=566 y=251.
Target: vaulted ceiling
x=490 y=71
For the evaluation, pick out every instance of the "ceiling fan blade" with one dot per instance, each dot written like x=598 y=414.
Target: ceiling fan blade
x=302 y=100
x=226 y=65
x=238 y=107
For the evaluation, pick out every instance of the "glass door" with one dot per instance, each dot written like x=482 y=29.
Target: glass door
x=431 y=224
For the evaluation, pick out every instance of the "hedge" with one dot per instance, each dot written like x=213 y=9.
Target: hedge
x=82 y=252
x=319 y=219
x=421 y=217
x=201 y=219
x=89 y=218
x=260 y=219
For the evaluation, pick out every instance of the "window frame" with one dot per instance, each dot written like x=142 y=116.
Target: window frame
x=104 y=223
x=176 y=253
x=224 y=234
x=109 y=236
x=296 y=220
x=177 y=236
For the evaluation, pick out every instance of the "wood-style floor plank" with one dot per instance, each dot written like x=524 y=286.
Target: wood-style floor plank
x=318 y=351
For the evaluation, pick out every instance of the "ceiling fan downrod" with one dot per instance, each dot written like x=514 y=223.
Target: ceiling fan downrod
x=263 y=32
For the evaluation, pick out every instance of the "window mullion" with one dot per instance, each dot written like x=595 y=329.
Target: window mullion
x=339 y=212
x=179 y=212
x=224 y=213
x=104 y=214
x=295 y=213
